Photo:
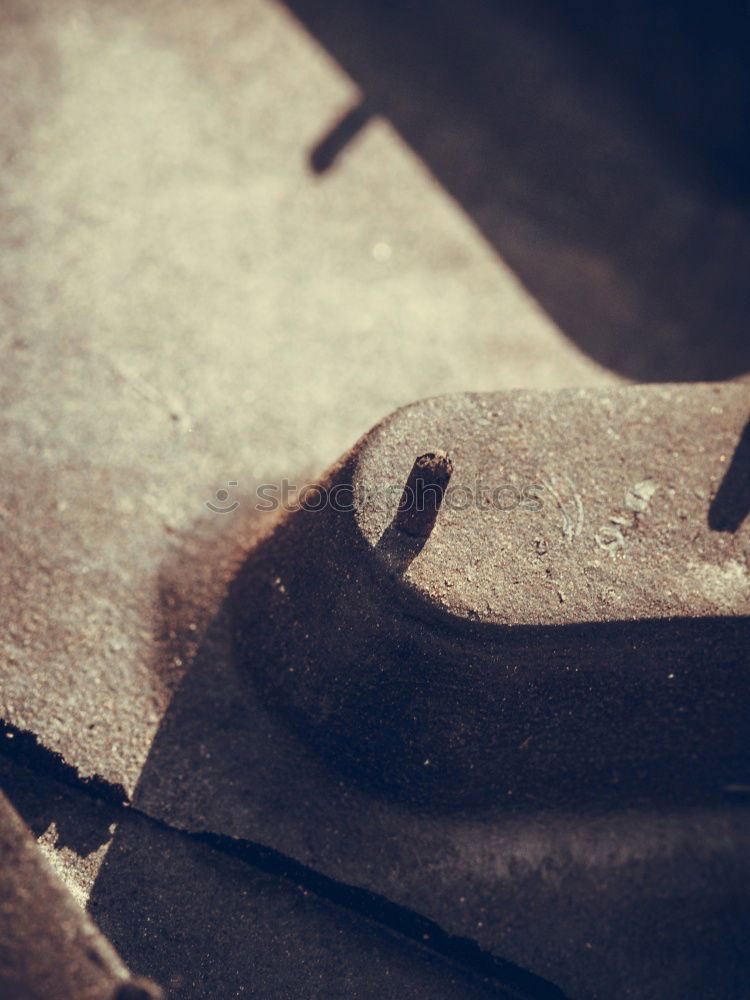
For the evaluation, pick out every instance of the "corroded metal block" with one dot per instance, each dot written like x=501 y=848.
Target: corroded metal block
x=573 y=625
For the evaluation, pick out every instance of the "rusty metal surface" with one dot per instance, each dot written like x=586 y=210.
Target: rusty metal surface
x=562 y=893
x=577 y=506
x=519 y=649
x=146 y=365
x=186 y=305
x=637 y=834
x=183 y=306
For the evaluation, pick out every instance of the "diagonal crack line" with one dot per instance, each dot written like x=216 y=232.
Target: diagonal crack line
x=24 y=748
x=394 y=916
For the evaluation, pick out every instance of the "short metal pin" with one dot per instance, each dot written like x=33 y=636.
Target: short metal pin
x=423 y=494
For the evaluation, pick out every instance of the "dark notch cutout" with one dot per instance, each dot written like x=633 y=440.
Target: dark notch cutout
x=325 y=154
x=731 y=505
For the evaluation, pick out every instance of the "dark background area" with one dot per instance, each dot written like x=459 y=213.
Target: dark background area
x=687 y=65
x=624 y=218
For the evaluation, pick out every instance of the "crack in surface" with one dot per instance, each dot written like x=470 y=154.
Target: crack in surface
x=24 y=748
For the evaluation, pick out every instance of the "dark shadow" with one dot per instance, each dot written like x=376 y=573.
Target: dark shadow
x=40 y=796
x=639 y=266
x=685 y=61
x=398 y=550
x=731 y=505
x=35 y=779
x=325 y=153
x=211 y=917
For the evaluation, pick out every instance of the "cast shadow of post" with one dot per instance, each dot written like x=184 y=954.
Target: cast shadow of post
x=731 y=505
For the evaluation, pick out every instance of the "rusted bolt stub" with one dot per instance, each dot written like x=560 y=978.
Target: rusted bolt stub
x=423 y=494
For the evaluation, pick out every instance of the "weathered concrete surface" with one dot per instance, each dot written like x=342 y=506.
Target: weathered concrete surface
x=48 y=946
